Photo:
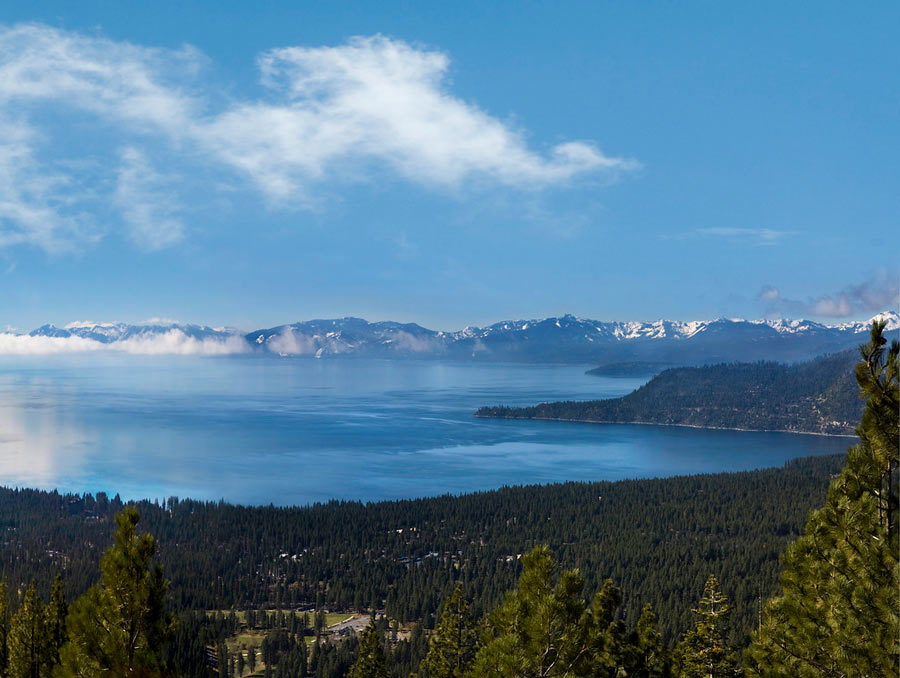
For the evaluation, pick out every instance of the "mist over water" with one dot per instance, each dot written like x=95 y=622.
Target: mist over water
x=260 y=430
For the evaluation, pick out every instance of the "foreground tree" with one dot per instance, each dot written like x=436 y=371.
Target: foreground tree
x=542 y=629
x=119 y=627
x=28 y=642
x=645 y=655
x=4 y=629
x=56 y=612
x=451 y=648
x=838 y=615
x=370 y=662
x=704 y=652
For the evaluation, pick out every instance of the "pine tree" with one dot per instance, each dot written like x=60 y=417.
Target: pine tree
x=4 y=629
x=646 y=653
x=370 y=662
x=541 y=629
x=451 y=648
x=704 y=652
x=28 y=641
x=607 y=632
x=118 y=628
x=838 y=615
x=56 y=612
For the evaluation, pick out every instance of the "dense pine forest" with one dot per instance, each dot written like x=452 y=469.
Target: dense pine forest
x=665 y=577
x=657 y=539
x=819 y=396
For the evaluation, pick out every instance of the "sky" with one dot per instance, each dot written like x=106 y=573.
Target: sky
x=451 y=164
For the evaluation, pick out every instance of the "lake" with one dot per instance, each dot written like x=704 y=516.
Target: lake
x=260 y=430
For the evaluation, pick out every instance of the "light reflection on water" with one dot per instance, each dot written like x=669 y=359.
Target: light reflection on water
x=261 y=430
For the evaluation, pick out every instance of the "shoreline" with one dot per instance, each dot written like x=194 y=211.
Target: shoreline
x=656 y=423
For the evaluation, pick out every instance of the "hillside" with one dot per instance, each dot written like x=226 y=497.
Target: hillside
x=819 y=396
x=657 y=538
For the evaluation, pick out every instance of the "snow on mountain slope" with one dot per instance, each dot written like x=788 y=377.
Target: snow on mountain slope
x=558 y=339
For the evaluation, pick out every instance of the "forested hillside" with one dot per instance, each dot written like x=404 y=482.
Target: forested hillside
x=657 y=539
x=819 y=396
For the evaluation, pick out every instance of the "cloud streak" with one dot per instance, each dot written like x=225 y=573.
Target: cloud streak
x=871 y=296
x=757 y=236
x=328 y=116
x=172 y=342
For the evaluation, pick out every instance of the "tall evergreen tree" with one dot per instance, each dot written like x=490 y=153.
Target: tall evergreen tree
x=4 y=628
x=646 y=653
x=370 y=662
x=56 y=612
x=704 y=652
x=838 y=615
x=541 y=629
x=28 y=640
x=607 y=632
x=119 y=627
x=451 y=647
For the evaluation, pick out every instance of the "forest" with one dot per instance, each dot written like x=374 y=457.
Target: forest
x=818 y=396
x=661 y=577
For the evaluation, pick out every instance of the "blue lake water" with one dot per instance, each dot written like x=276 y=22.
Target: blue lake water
x=263 y=430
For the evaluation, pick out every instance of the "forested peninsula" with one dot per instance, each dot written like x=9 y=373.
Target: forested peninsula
x=819 y=396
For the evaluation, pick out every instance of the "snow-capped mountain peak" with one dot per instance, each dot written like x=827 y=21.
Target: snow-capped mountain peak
x=565 y=338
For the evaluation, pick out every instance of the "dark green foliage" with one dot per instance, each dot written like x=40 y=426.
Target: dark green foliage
x=370 y=660
x=451 y=648
x=704 y=652
x=542 y=627
x=28 y=641
x=838 y=613
x=646 y=655
x=56 y=611
x=118 y=628
x=814 y=397
x=4 y=629
x=657 y=539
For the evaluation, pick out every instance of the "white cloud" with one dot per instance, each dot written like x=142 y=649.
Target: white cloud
x=757 y=236
x=879 y=293
x=329 y=114
x=290 y=343
x=172 y=342
x=118 y=81
x=386 y=101
x=36 y=204
x=149 y=206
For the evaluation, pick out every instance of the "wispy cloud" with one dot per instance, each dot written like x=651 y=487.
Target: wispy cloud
x=149 y=205
x=756 y=236
x=328 y=115
x=871 y=296
x=172 y=342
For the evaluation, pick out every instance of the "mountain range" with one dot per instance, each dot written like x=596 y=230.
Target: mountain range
x=560 y=339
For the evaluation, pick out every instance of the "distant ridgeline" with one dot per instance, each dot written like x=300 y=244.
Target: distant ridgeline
x=819 y=396
x=565 y=339
x=658 y=539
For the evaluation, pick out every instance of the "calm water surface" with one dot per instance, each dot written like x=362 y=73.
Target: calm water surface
x=261 y=430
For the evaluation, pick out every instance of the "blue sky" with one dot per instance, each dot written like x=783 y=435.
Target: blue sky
x=452 y=164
